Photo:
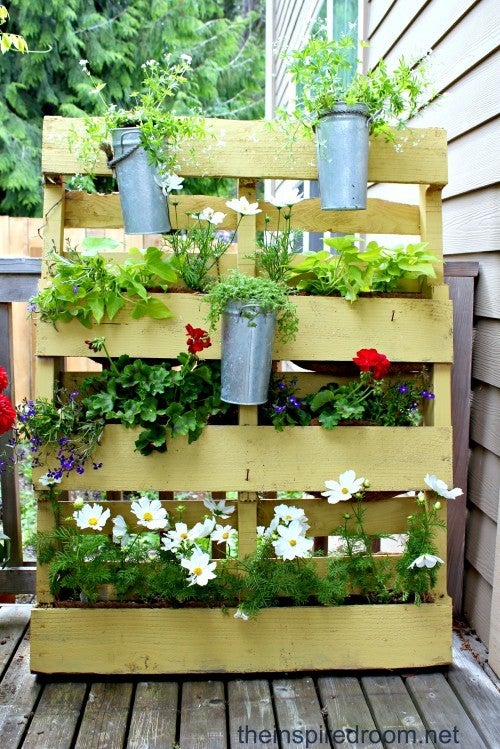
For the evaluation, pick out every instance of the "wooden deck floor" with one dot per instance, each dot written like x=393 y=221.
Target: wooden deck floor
x=457 y=707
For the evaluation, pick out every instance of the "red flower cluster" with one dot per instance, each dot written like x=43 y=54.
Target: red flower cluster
x=369 y=360
x=7 y=410
x=198 y=339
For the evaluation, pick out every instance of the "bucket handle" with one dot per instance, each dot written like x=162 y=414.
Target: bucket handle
x=112 y=161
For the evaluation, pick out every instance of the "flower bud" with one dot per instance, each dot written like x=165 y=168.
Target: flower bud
x=78 y=504
x=437 y=505
x=366 y=483
x=346 y=516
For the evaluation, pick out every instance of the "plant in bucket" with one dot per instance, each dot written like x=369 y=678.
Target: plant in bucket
x=145 y=141
x=344 y=107
x=251 y=309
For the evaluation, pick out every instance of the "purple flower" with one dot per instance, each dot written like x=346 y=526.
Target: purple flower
x=80 y=470
x=74 y=394
x=75 y=289
x=31 y=307
x=96 y=466
x=63 y=441
x=426 y=394
x=279 y=409
x=294 y=402
x=403 y=389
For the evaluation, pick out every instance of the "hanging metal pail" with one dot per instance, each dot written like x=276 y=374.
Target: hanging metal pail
x=144 y=206
x=246 y=355
x=342 y=152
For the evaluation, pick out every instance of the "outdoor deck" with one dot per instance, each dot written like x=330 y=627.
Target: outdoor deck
x=457 y=707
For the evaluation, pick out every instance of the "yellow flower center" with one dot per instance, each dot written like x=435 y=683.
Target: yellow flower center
x=344 y=490
x=148 y=516
x=92 y=521
x=225 y=534
x=197 y=571
x=293 y=542
x=183 y=535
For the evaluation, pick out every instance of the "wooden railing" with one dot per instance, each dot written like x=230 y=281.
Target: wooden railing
x=18 y=281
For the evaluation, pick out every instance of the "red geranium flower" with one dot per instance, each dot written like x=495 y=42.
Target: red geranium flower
x=369 y=360
x=7 y=414
x=4 y=380
x=198 y=339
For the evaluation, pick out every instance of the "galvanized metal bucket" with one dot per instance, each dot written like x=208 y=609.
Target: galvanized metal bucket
x=144 y=206
x=246 y=355
x=342 y=152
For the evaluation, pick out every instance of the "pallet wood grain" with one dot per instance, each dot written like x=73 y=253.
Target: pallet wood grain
x=393 y=709
x=251 y=717
x=203 y=716
x=478 y=695
x=444 y=715
x=347 y=712
x=57 y=716
x=153 y=720
x=19 y=692
x=298 y=712
x=13 y=622
x=104 y=721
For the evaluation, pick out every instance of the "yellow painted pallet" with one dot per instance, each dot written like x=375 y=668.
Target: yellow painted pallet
x=251 y=459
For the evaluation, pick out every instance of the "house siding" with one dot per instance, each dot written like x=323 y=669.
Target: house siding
x=464 y=37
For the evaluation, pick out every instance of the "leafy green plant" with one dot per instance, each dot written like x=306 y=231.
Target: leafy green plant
x=275 y=247
x=269 y=295
x=161 y=130
x=352 y=271
x=321 y=71
x=166 y=399
x=89 y=287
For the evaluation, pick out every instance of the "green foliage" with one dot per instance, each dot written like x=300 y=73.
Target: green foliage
x=267 y=294
x=89 y=287
x=274 y=248
x=10 y=41
x=116 y=38
x=381 y=402
x=415 y=581
x=352 y=271
x=166 y=399
x=198 y=248
x=320 y=70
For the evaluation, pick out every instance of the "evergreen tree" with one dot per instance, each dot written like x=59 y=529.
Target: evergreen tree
x=225 y=39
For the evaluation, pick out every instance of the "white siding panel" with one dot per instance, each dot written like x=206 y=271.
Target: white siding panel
x=399 y=18
x=454 y=50
x=377 y=11
x=480 y=544
x=472 y=224
x=486 y=352
x=477 y=603
x=484 y=476
x=467 y=104
x=485 y=417
x=473 y=160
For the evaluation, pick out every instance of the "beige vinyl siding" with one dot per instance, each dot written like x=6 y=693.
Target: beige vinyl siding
x=464 y=64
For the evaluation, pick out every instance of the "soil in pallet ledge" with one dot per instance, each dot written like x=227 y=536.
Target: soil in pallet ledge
x=353 y=600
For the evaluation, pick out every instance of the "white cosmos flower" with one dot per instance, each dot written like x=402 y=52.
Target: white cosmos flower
x=219 y=508
x=91 y=516
x=242 y=206
x=425 y=560
x=213 y=217
x=47 y=480
x=175 y=537
x=120 y=531
x=292 y=543
x=172 y=182
x=200 y=567
x=202 y=530
x=441 y=488
x=150 y=513
x=286 y=514
x=286 y=197
x=344 y=488
x=240 y=614
x=224 y=534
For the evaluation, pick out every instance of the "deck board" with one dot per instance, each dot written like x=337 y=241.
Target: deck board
x=131 y=713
